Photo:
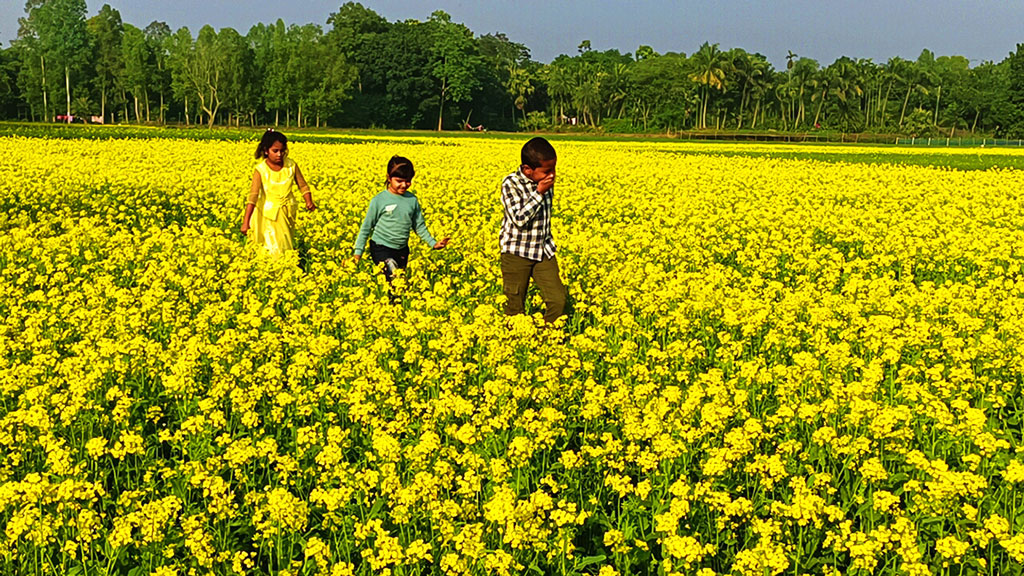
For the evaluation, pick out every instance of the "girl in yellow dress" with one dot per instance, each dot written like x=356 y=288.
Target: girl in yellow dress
x=271 y=206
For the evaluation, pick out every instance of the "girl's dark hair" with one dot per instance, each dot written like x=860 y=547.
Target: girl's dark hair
x=269 y=137
x=399 y=167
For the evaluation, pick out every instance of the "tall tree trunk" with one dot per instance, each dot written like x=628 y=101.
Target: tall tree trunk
x=800 y=115
x=703 y=110
x=937 y=96
x=68 y=91
x=743 y=102
x=885 y=102
x=817 y=114
x=753 y=120
x=277 y=117
x=136 y=99
x=903 y=113
x=103 y=102
x=299 y=122
x=46 y=107
x=145 y=94
x=977 y=113
x=440 y=109
x=186 y=112
x=161 y=107
x=879 y=107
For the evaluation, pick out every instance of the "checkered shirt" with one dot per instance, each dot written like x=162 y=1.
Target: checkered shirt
x=526 y=227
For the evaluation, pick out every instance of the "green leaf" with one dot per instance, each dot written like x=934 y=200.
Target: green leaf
x=378 y=505
x=590 y=560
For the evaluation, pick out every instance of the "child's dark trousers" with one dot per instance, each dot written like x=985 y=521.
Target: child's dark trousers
x=516 y=272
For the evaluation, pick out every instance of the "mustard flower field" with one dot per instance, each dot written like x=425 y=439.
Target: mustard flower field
x=773 y=366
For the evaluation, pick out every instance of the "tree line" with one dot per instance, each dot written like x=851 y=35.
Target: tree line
x=361 y=70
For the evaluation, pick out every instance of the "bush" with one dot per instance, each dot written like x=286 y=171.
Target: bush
x=918 y=124
x=535 y=120
x=618 y=126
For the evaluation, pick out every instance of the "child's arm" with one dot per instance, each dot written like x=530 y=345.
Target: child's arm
x=307 y=194
x=520 y=204
x=365 y=229
x=250 y=201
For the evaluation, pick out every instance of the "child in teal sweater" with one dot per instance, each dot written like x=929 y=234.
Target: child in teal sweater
x=391 y=217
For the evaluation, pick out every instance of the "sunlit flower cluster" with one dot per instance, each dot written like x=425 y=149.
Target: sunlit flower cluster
x=771 y=366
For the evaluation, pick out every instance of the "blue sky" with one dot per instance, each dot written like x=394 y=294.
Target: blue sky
x=823 y=29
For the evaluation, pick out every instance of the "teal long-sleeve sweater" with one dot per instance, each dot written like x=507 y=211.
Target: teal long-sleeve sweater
x=390 y=219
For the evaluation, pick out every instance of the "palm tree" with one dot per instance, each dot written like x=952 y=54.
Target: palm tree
x=559 y=84
x=619 y=88
x=891 y=75
x=910 y=74
x=790 y=59
x=929 y=68
x=519 y=87
x=783 y=94
x=587 y=94
x=871 y=82
x=709 y=70
x=803 y=72
x=759 y=86
x=748 y=67
x=846 y=84
x=821 y=82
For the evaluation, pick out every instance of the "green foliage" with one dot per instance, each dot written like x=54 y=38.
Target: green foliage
x=1015 y=92
x=55 y=32
x=363 y=71
x=535 y=121
x=618 y=126
x=105 y=35
x=454 y=61
x=919 y=125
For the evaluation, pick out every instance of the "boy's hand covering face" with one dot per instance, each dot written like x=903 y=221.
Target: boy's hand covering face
x=543 y=175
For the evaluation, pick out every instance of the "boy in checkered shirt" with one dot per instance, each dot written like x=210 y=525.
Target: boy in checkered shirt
x=527 y=249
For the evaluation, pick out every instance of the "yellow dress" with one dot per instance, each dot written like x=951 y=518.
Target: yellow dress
x=273 y=220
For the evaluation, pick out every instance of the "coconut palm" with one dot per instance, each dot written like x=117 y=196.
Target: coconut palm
x=709 y=66
x=846 y=84
x=801 y=76
x=559 y=83
x=913 y=80
x=748 y=68
x=519 y=86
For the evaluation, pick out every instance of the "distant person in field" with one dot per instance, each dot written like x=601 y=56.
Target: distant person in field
x=390 y=219
x=271 y=206
x=527 y=248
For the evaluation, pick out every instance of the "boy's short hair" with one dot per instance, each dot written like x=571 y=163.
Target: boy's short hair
x=537 y=151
